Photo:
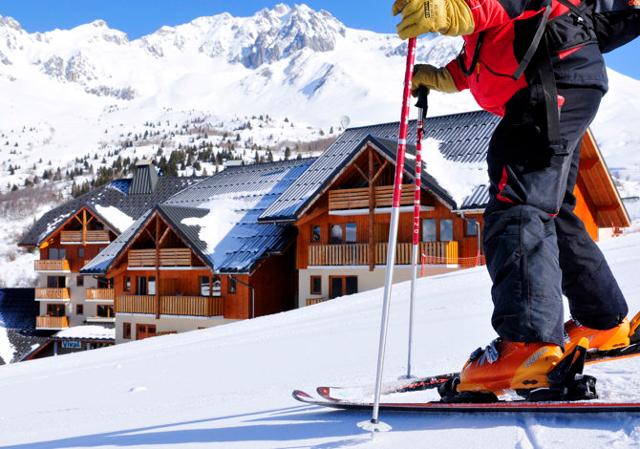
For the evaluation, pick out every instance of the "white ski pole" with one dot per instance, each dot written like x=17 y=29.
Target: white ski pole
x=374 y=424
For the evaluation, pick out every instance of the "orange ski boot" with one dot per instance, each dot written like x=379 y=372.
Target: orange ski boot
x=617 y=337
x=507 y=365
x=536 y=371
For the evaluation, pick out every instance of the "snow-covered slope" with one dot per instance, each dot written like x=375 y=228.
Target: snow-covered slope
x=229 y=387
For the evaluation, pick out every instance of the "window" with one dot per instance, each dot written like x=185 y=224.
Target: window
x=55 y=310
x=81 y=253
x=127 y=284
x=151 y=285
x=446 y=230
x=316 y=285
x=105 y=311
x=80 y=281
x=57 y=253
x=79 y=309
x=315 y=234
x=471 y=227
x=145 y=331
x=107 y=283
x=56 y=282
x=145 y=285
x=233 y=285
x=335 y=236
x=429 y=230
x=217 y=286
x=342 y=285
x=126 y=331
x=351 y=234
x=141 y=285
x=204 y=286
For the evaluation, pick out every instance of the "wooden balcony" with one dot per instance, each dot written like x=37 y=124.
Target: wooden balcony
x=438 y=253
x=76 y=237
x=52 y=294
x=52 y=322
x=52 y=265
x=341 y=199
x=169 y=257
x=99 y=294
x=191 y=305
x=136 y=304
x=171 y=305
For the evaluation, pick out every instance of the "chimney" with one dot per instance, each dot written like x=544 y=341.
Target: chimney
x=145 y=178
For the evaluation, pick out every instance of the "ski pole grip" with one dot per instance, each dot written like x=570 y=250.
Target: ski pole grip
x=423 y=100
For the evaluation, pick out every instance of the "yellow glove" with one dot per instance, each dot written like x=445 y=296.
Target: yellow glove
x=425 y=75
x=450 y=17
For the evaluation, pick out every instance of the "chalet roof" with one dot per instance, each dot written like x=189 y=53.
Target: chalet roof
x=463 y=138
x=18 y=312
x=240 y=194
x=116 y=194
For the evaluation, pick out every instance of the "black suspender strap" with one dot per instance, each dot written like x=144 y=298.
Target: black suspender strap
x=550 y=90
x=535 y=42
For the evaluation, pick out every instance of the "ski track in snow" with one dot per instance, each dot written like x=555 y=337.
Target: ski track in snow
x=229 y=387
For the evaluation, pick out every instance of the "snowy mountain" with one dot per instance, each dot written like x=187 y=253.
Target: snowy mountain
x=75 y=101
x=229 y=386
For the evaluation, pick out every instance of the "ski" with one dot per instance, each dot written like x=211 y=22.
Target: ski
x=516 y=406
x=429 y=382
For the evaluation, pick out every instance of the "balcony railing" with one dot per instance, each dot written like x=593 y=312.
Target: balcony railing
x=359 y=198
x=52 y=322
x=169 y=257
x=52 y=294
x=74 y=237
x=99 y=294
x=440 y=253
x=191 y=305
x=312 y=301
x=101 y=319
x=171 y=305
x=51 y=265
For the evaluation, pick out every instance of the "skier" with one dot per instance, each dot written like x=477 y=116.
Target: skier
x=538 y=64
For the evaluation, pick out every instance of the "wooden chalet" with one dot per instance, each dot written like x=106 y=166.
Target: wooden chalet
x=341 y=207
x=202 y=259
x=69 y=236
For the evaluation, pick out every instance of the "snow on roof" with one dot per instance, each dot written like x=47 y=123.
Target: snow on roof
x=103 y=260
x=218 y=217
x=464 y=139
x=224 y=213
x=115 y=216
x=459 y=179
x=87 y=332
x=113 y=197
x=7 y=350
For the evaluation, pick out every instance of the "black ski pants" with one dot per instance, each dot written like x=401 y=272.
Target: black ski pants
x=536 y=247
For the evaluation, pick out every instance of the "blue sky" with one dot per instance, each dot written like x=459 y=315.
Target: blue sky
x=140 y=17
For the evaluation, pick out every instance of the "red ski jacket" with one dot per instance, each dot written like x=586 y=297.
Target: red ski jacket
x=508 y=27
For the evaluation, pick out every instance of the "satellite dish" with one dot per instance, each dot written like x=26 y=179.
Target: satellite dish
x=345 y=121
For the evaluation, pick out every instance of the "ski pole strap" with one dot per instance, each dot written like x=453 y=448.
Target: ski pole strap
x=535 y=42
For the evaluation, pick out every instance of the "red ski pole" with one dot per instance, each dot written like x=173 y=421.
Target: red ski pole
x=374 y=424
